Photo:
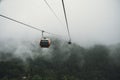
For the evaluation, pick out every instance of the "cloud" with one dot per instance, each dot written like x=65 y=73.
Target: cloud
x=90 y=22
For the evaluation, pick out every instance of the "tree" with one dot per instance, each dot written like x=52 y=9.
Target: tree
x=96 y=63
x=36 y=77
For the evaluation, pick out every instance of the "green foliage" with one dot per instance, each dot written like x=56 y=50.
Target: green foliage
x=36 y=77
x=66 y=63
x=5 y=78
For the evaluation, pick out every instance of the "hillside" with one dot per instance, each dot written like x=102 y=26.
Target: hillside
x=27 y=61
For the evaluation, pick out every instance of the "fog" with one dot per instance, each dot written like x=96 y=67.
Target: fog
x=93 y=55
x=90 y=21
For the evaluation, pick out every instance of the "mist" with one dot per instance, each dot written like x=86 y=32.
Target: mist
x=90 y=22
x=93 y=55
x=60 y=62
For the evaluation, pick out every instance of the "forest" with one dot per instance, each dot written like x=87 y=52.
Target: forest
x=60 y=62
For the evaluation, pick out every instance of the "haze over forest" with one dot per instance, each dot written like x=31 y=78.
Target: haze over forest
x=60 y=62
x=93 y=55
x=90 y=21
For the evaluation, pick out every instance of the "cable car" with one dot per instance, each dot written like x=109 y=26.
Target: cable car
x=45 y=42
x=69 y=42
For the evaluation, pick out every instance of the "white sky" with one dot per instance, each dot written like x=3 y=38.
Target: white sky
x=90 y=21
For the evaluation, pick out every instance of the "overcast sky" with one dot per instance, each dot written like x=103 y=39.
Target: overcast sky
x=90 y=21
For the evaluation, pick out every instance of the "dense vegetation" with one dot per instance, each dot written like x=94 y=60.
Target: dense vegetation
x=61 y=62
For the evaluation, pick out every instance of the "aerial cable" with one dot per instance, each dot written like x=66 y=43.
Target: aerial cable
x=20 y=22
x=52 y=11
x=66 y=21
x=27 y=25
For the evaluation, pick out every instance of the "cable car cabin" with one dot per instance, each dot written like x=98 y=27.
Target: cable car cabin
x=45 y=43
x=69 y=42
